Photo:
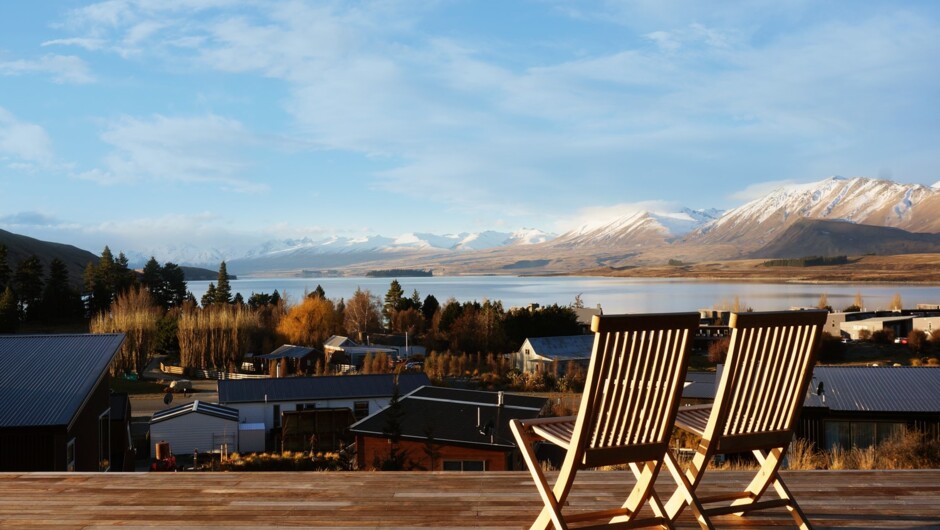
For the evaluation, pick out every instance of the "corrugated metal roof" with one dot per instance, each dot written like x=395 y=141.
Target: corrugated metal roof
x=702 y=385
x=197 y=407
x=312 y=388
x=876 y=389
x=338 y=341
x=289 y=351
x=567 y=347
x=45 y=379
x=477 y=397
x=468 y=418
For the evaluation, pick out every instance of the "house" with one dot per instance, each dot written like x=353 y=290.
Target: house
x=586 y=315
x=548 y=354
x=448 y=429
x=345 y=353
x=900 y=325
x=264 y=400
x=197 y=426
x=859 y=406
x=122 y=444
x=291 y=360
x=56 y=403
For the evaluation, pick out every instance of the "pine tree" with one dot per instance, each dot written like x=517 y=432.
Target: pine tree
x=152 y=279
x=9 y=313
x=223 y=291
x=392 y=300
x=5 y=271
x=319 y=292
x=28 y=284
x=59 y=300
x=174 y=284
x=208 y=298
x=429 y=307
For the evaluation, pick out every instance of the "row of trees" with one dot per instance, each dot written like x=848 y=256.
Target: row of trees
x=28 y=294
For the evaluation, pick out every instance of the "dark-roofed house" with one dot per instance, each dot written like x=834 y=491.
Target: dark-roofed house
x=546 y=354
x=55 y=402
x=448 y=429
x=264 y=400
x=122 y=444
x=291 y=360
x=860 y=406
x=196 y=426
x=345 y=354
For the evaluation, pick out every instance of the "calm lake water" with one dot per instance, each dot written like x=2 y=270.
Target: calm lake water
x=615 y=295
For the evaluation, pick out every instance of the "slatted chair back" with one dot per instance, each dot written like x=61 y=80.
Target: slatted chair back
x=633 y=386
x=761 y=390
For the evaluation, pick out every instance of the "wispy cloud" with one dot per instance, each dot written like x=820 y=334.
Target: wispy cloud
x=32 y=219
x=185 y=149
x=62 y=68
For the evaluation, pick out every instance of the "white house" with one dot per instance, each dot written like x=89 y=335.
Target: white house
x=196 y=426
x=539 y=354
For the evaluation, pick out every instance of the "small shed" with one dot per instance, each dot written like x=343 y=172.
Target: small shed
x=196 y=426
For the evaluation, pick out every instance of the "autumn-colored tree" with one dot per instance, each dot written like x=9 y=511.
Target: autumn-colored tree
x=362 y=314
x=136 y=314
x=917 y=341
x=896 y=303
x=408 y=321
x=309 y=323
x=718 y=349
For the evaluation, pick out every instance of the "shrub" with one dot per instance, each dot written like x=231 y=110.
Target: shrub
x=883 y=336
x=718 y=350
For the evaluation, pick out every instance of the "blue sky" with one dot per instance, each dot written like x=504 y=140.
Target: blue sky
x=142 y=124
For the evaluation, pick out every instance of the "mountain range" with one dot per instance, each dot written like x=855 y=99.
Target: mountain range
x=834 y=216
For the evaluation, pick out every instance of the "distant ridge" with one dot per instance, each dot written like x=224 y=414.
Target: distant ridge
x=814 y=237
x=21 y=247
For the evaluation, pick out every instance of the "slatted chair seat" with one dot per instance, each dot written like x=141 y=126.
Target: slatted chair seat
x=758 y=401
x=631 y=395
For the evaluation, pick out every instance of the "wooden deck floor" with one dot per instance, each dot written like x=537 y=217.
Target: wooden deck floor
x=842 y=499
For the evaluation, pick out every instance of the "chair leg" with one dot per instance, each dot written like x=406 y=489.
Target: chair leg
x=552 y=498
x=684 y=494
x=645 y=480
x=775 y=456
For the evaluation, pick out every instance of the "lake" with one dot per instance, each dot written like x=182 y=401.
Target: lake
x=614 y=295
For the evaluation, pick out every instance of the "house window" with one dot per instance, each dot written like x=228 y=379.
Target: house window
x=277 y=415
x=464 y=465
x=861 y=434
x=104 y=441
x=360 y=409
x=306 y=406
x=70 y=455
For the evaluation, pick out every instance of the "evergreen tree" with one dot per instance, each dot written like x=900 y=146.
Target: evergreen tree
x=429 y=307
x=393 y=300
x=106 y=280
x=9 y=312
x=208 y=298
x=152 y=280
x=238 y=299
x=174 y=284
x=394 y=415
x=415 y=301
x=223 y=291
x=28 y=284
x=5 y=271
x=59 y=300
x=319 y=292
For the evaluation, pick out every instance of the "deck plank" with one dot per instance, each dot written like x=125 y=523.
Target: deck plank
x=451 y=501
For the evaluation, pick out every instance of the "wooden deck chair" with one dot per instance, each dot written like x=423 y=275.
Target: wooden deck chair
x=757 y=404
x=632 y=391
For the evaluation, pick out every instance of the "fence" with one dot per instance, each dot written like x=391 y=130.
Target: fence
x=197 y=373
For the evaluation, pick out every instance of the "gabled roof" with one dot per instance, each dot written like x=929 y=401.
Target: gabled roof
x=875 y=389
x=45 y=380
x=287 y=351
x=699 y=385
x=563 y=348
x=196 y=407
x=338 y=341
x=450 y=415
x=317 y=388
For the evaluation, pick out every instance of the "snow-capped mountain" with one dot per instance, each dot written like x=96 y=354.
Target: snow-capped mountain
x=637 y=229
x=910 y=207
